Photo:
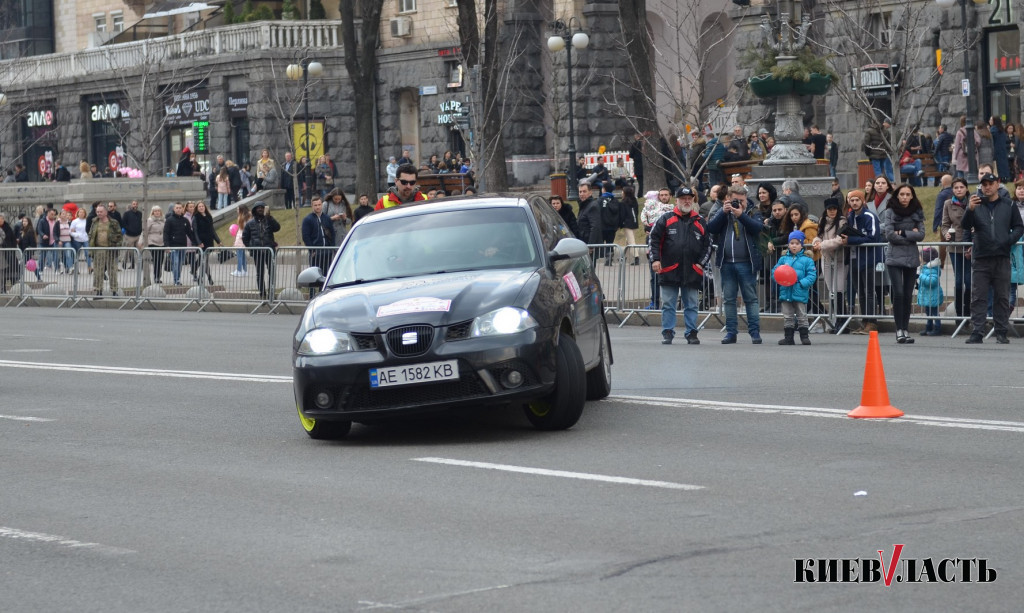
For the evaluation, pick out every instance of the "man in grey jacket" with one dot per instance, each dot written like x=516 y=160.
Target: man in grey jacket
x=995 y=225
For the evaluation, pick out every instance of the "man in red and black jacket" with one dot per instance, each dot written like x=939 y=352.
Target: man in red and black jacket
x=680 y=253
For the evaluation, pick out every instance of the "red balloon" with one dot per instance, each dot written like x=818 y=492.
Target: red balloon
x=785 y=275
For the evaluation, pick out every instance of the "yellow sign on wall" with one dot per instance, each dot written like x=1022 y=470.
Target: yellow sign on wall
x=316 y=140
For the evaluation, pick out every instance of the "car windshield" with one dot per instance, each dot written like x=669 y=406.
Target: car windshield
x=436 y=242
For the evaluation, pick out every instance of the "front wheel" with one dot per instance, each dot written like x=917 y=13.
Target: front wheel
x=561 y=409
x=324 y=430
x=599 y=379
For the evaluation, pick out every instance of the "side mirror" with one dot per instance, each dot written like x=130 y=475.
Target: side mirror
x=567 y=249
x=310 y=277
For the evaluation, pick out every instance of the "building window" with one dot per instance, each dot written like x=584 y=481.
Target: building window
x=100 y=19
x=453 y=3
x=454 y=75
x=406 y=6
x=117 y=21
x=880 y=29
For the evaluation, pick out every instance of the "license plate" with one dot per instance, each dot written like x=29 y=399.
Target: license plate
x=414 y=373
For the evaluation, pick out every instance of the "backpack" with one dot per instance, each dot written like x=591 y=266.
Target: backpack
x=610 y=214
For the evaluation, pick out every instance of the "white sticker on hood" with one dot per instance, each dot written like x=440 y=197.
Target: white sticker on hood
x=414 y=305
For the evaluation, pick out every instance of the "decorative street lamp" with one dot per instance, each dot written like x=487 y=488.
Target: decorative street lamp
x=303 y=70
x=789 y=118
x=972 y=162
x=565 y=38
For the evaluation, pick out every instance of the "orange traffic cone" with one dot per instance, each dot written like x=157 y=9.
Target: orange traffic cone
x=874 y=398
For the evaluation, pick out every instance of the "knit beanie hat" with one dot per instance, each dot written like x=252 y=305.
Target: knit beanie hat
x=797 y=235
x=856 y=192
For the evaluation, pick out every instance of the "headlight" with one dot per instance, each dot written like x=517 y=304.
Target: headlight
x=506 y=320
x=322 y=341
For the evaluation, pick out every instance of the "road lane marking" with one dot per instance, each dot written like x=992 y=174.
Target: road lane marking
x=925 y=420
x=562 y=473
x=28 y=350
x=62 y=541
x=22 y=418
x=146 y=372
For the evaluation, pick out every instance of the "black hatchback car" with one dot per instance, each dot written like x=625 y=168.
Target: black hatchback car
x=462 y=302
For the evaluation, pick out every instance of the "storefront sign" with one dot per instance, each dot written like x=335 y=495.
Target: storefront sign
x=451 y=112
x=238 y=105
x=108 y=112
x=39 y=119
x=188 y=107
x=875 y=79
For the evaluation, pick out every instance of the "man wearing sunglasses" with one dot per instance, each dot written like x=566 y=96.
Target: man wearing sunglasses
x=404 y=191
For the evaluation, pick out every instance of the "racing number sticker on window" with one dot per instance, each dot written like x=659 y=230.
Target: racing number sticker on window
x=574 y=286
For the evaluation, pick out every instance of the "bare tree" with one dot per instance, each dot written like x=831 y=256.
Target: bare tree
x=884 y=45
x=148 y=80
x=483 y=56
x=287 y=99
x=665 y=92
x=361 y=64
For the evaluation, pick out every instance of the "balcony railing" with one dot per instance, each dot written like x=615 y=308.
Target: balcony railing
x=205 y=43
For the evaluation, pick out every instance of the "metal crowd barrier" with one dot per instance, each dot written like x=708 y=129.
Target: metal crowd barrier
x=213 y=277
x=290 y=262
x=639 y=294
x=12 y=275
x=59 y=273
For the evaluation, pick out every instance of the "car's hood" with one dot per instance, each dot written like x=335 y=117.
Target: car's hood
x=433 y=299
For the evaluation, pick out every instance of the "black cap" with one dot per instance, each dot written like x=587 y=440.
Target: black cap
x=832 y=203
x=258 y=204
x=988 y=177
x=684 y=191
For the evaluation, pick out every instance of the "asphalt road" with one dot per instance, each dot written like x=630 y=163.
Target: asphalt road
x=191 y=486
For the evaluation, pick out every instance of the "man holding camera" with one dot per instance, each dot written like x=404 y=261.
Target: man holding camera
x=680 y=253
x=736 y=229
x=995 y=225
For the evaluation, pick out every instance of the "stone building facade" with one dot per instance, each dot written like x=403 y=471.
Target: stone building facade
x=889 y=61
x=223 y=90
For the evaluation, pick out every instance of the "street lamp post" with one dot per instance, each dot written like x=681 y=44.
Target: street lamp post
x=304 y=69
x=972 y=161
x=565 y=38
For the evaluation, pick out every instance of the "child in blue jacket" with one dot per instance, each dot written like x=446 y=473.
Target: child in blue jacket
x=929 y=290
x=793 y=299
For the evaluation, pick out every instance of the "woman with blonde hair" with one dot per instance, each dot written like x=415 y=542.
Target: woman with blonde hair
x=153 y=236
x=241 y=267
x=85 y=170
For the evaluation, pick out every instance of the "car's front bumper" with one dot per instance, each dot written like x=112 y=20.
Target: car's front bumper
x=482 y=362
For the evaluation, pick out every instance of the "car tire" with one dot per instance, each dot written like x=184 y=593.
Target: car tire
x=561 y=409
x=599 y=379
x=324 y=430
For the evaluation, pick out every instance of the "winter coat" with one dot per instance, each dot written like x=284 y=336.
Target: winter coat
x=903 y=234
x=986 y=150
x=929 y=289
x=859 y=257
x=1000 y=147
x=752 y=223
x=565 y=212
x=995 y=228
x=153 y=236
x=806 y=275
x=178 y=231
x=611 y=211
x=1017 y=264
x=960 y=149
x=952 y=217
x=683 y=246
x=833 y=266
x=259 y=232
x=629 y=216
x=590 y=221
x=205 y=231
